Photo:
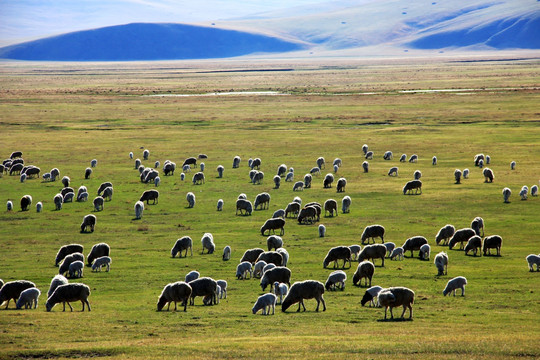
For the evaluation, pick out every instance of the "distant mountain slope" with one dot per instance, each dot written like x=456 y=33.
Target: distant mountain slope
x=142 y=41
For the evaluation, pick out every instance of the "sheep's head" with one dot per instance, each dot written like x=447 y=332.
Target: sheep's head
x=48 y=306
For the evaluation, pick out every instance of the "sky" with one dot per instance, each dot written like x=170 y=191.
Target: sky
x=24 y=20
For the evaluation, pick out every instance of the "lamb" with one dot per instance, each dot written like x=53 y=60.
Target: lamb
x=523 y=193
x=417 y=175
x=107 y=193
x=292 y=208
x=207 y=241
x=473 y=244
x=226 y=253
x=388 y=155
x=277 y=181
x=46 y=177
x=265 y=302
x=441 y=262
x=256 y=163
x=342 y=182
x=280 y=290
x=174 y=292
x=274 y=242
x=271 y=257
x=252 y=255
x=13 y=290
x=278 y=274
x=434 y=161
x=365 y=148
x=27 y=298
x=492 y=242
x=444 y=234
x=413 y=158
x=300 y=291
x=82 y=197
x=532 y=260
x=284 y=254
x=478 y=224
x=139 y=208
x=185 y=169
x=365 y=270
x=236 y=162
x=280 y=213
x=328 y=180
x=452 y=285
x=390 y=246
x=190 y=197
x=337 y=161
x=375 y=251
x=198 y=178
x=466 y=173
x=394 y=297
x=69 y=293
x=56 y=282
x=76 y=269
x=257 y=178
x=26 y=201
x=307 y=214
x=98 y=250
x=457 y=176
x=336 y=279
x=393 y=171
x=506 y=194
x=397 y=253
x=9 y=205
x=273 y=224
x=89 y=221
x=481 y=163
x=369 y=155
x=103 y=186
x=58 y=200
x=244 y=206
x=190 y=161
x=258 y=268
x=65 y=181
x=330 y=206
x=372 y=232
x=488 y=175
x=414 y=243
x=315 y=171
x=355 y=250
x=338 y=253
x=262 y=200
x=346 y=204
x=267 y=267
x=204 y=286
x=156 y=164
x=101 y=262
x=64 y=266
x=425 y=251
x=513 y=165
x=461 y=236
x=412 y=185
x=371 y=295
x=222 y=284
x=243 y=269
x=192 y=275
x=534 y=190
x=322 y=230
x=67 y=250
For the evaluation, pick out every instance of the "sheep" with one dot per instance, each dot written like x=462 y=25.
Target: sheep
x=375 y=251
x=69 y=293
x=394 y=297
x=412 y=185
x=16 y=169
x=256 y=163
x=513 y=165
x=393 y=171
x=273 y=224
x=403 y=158
x=103 y=186
x=220 y=170
x=76 y=269
x=56 y=282
x=369 y=155
x=346 y=204
x=192 y=275
x=64 y=266
x=198 y=178
x=372 y=232
x=414 y=243
x=46 y=177
x=182 y=176
x=461 y=236
x=397 y=253
x=322 y=230
x=252 y=255
x=202 y=156
x=321 y=163
x=371 y=295
x=290 y=176
x=174 y=292
x=331 y=207
x=534 y=190
x=156 y=164
x=67 y=250
x=506 y=194
x=315 y=171
x=274 y=242
x=308 y=214
x=220 y=205
x=26 y=201
x=271 y=257
x=202 y=166
x=355 y=250
x=236 y=162
x=282 y=170
x=452 y=285
x=277 y=181
x=328 y=180
x=223 y=285
x=336 y=279
x=39 y=207
x=100 y=262
x=365 y=270
x=22 y=178
x=390 y=246
x=107 y=193
x=258 y=268
x=98 y=250
x=488 y=175
x=488 y=159
x=265 y=302
x=13 y=290
x=190 y=197
x=65 y=181
x=284 y=254
x=307 y=181
x=478 y=224
x=365 y=148
x=434 y=161
x=299 y=291
x=89 y=221
x=413 y=158
x=226 y=253
x=388 y=155
x=169 y=168
x=27 y=298
x=342 y=182
x=243 y=269
x=338 y=253
x=16 y=154
x=297 y=200
x=262 y=200
x=532 y=260
x=280 y=290
x=465 y=173
x=425 y=251
x=279 y=213
x=267 y=267
x=204 y=286
x=257 y=178
x=9 y=205
x=190 y=161
x=150 y=195
x=139 y=208
x=137 y=163
x=244 y=206
x=66 y=191
x=492 y=242
x=473 y=244
x=298 y=186
x=457 y=176
x=82 y=197
x=207 y=241
x=441 y=262
x=523 y=193
x=186 y=168
x=32 y=171
x=292 y=208
x=444 y=234
x=157 y=181
x=337 y=162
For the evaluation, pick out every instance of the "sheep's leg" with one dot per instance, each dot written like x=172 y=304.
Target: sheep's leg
x=403 y=313
x=391 y=313
x=7 y=303
x=463 y=291
x=385 y=310
x=410 y=311
x=71 y=307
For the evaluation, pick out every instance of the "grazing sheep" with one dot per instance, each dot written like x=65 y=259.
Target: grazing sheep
x=9 y=205
x=66 y=191
x=390 y=246
x=388 y=155
x=68 y=260
x=372 y=232
x=524 y=191
x=284 y=254
x=365 y=269
x=321 y=163
x=98 y=250
x=273 y=224
x=441 y=262
x=279 y=213
x=31 y=171
x=289 y=177
x=473 y=244
x=336 y=168
x=252 y=255
x=282 y=170
x=274 y=242
x=403 y=158
x=488 y=175
x=107 y=193
x=488 y=159
x=65 y=181
x=137 y=163
x=444 y=234
x=346 y=204
x=371 y=296
x=298 y=186
x=369 y=155
x=202 y=166
x=174 y=292
x=76 y=269
x=262 y=200
x=397 y=253
x=413 y=158
x=157 y=181
x=425 y=251
x=257 y=177
x=54 y=174
x=338 y=253
x=492 y=242
x=258 y=268
x=315 y=171
x=414 y=243
x=169 y=168
x=67 y=250
x=236 y=162
x=292 y=208
x=331 y=207
x=375 y=251
x=412 y=185
x=223 y=285
x=26 y=201
x=226 y=253
x=82 y=197
x=328 y=180
x=13 y=290
x=341 y=183
x=182 y=176
x=513 y=165
x=93 y=163
x=139 y=208
x=300 y=291
x=280 y=290
x=39 y=207
x=190 y=161
x=186 y=168
x=207 y=241
x=243 y=269
x=434 y=161
x=56 y=282
x=256 y=163
x=265 y=302
x=466 y=173
x=156 y=164
x=461 y=236
x=220 y=205
x=393 y=171
x=336 y=279
x=15 y=169
x=100 y=262
x=322 y=230
x=16 y=154
x=198 y=178
x=23 y=178
x=244 y=206
x=46 y=177
x=534 y=190
x=69 y=293
x=271 y=257
x=532 y=260
x=478 y=224
x=365 y=166
x=452 y=285
x=365 y=148
x=506 y=194
x=457 y=176
x=267 y=267
x=394 y=297
x=150 y=195
x=355 y=250
x=307 y=181
x=337 y=162
x=103 y=186
x=220 y=169
x=204 y=286
x=28 y=298
x=89 y=221
x=277 y=181
x=192 y=275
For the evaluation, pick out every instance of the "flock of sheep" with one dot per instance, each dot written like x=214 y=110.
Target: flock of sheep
x=270 y=266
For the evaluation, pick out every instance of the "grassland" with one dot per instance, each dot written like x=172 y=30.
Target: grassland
x=64 y=115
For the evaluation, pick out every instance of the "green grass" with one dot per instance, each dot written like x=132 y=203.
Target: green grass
x=62 y=118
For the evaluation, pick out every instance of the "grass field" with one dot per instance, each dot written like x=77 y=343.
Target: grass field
x=64 y=115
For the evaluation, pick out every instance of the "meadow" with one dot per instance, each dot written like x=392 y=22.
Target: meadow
x=64 y=115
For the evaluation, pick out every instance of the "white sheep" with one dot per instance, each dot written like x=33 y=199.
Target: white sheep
x=190 y=197
x=425 y=251
x=532 y=260
x=100 y=262
x=534 y=190
x=281 y=290
x=355 y=250
x=157 y=181
x=39 y=206
x=290 y=177
x=28 y=297
x=298 y=186
x=186 y=168
x=434 y=161
x=403 y=158
x=297 y=200
x=413 y=158
x=365 y=148
x=322 y=230
x=346 y=204
x=131 y=155
x=466 y=173
x=365 y=166
x=397 y=253
x=417 y=175
x=488 y=159
x=207 y=241
x=56 y=282
x=284 y=254
x=146 y=153
x=58 y=200
x=220 y=205
x=223 y=285
x=139 y=208
x=226 y=253
x=156 y=164
x=456 y=283
x=280 y=213
x=23 y=178
x=202 y=167
x=336 y=279
x=267 y=267
x=182 y=176
x=506 y=194
x=76 y=269
x=93 y=163
x=371 y=295
x=192 y=275
x=457 y=176
x=9 y=205
x=513 y=165
x=336 y=168
x=441 y=262
x=524 y=192
x=265 y=302
x=258 y=269
x=390 y=246
x=243 y=269
x=393 y=171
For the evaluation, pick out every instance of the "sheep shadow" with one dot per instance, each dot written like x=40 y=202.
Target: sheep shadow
x=395 y=320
